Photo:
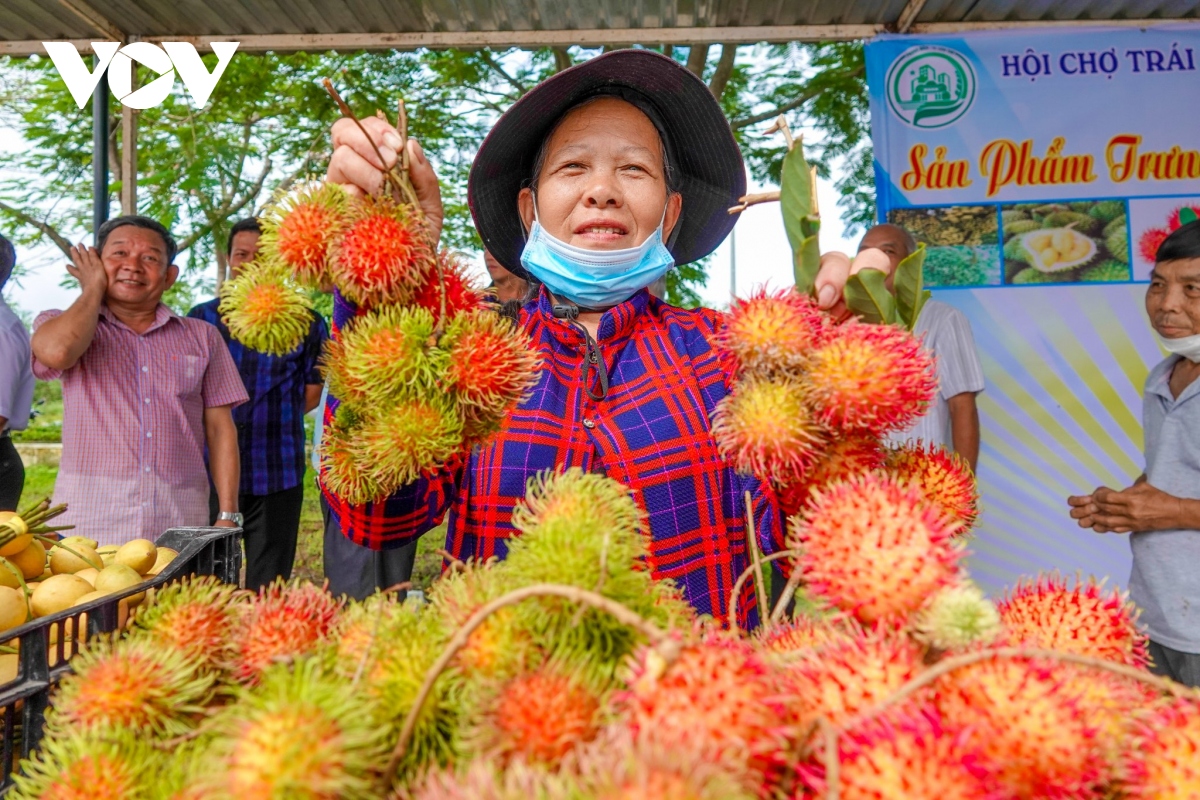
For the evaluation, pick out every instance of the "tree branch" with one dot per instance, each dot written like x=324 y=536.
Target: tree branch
x=562 y=59
x=697 y=58
x=487 y=59
x=724 y=70
x=808 y=94
x=45 y=228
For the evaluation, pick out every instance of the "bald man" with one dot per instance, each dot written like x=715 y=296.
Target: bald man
x=953 y=418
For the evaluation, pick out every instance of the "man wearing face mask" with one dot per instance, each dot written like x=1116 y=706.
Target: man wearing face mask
x=596 y=183
x=1161 y=511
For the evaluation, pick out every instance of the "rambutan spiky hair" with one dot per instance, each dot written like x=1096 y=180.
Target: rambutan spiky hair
x=875 y=548
x=773 y=332
x=196 y=616
x=299 y=734
x=492 y=364
x=1164 y=759
x=384 y=254
x=1030 y=725
x=872 y=378
x=906 y=754
x=498 y=647
x=74 y=767
x=385 y=355
x=1081 y=619
x=285 y=620
x=133 y=686
x=264 y=310
x=462 y=295
x=957 y=616
x=844 y=458
x=300 y=229
x=412 y=436
x=342 y=470
x=806 y=634
x=765 y=428
x=944 y=477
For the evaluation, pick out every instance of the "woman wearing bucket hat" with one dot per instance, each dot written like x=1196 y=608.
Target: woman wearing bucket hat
x=595 y=183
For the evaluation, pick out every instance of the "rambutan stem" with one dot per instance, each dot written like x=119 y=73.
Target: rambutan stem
x=753 y=199
x=789 y=591
x=760 y=584
x=668 y=647
x=745 y=576
x=399 y=182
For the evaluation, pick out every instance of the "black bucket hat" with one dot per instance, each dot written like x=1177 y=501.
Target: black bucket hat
x=702 y=152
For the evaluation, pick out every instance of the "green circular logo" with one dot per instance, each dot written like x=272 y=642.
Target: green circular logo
x=930 y=86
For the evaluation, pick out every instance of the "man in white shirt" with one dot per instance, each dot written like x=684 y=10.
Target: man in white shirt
x=16 y=387
x=953 y=419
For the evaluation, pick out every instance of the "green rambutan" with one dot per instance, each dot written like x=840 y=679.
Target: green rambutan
x=86 y=768
x=1080 y=619
x=283 y=622
x=462 y=296
x=906 y=755
x=480 y=779
x=765 y=428
x=957 y=616
x=342 y=470
x=844 y=458
x=875 y=548
x=492 y=365
x=717 y=701
x=872 y=378
x=772 y=332
x=943 y=476
x=195 y=616
x=384 y=253
x=498 y=647
x=382 y=356
x=399 y=443
x=300 y=229
x=298 y=734
x=264 y=310
x=136 y=686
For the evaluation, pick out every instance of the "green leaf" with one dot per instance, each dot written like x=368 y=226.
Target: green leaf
x=910 y=287
x=800 y=218
x=868 y=297
x=806 y=265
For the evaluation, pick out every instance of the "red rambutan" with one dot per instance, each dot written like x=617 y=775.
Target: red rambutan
x=86 y=768
x=1149 y=242
x=765 y=428
x=195 y=616
x=492 y=364
x=383 y=356
x=282 y=622
x=1080 y=619
x=773 y=331
x=300 y=230
x=906 y=755
x=383 y=255
x=875 y=548
x=461 y=294
x=1164 y=759
x=342 y=470
x=806 y=633
x=944 y=478
x=873 y=378
x=1173 y=222
x=844 y=458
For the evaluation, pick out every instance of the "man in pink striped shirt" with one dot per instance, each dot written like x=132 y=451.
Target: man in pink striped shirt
x=144 y=391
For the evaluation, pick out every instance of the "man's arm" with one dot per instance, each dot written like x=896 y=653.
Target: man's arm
x=964 y=426
x=223 y=460
x=312 y=396
x=58 y=343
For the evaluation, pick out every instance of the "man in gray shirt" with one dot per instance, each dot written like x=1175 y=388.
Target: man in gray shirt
x=1161 y=511
x=16 y=387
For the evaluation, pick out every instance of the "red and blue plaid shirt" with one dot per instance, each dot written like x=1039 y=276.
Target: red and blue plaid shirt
x=271 y=426
x=651 y=432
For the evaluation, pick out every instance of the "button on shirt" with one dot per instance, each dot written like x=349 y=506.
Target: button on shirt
x=652 y=432
x=271 y=425
x=1165 y=582
x=133 y=425
x=16 y=375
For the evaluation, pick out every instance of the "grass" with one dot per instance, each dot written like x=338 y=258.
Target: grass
x=45 y=423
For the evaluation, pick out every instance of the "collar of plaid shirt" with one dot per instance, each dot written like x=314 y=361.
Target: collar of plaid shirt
x=651 y=432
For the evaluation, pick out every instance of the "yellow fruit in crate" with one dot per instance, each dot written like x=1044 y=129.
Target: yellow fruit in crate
x=13 y=611
x=65 y=561
x=23 y=537
x=71 y=541
x=31 y=561
x=165 y=556
x=118 y=578
x=10 y=663
x=8 y=574
x=88 y=575
x=87 y=598
x=139 y=554
x=57 y=593
x=108 y=553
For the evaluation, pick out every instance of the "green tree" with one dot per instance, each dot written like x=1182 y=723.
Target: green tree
x=266 y=127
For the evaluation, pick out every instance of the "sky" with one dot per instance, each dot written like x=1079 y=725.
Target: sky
x=762 y=253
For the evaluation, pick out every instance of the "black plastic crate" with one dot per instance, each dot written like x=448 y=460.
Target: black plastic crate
x=42 y=662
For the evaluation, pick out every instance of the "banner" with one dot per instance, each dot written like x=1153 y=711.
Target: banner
x=1042 y=169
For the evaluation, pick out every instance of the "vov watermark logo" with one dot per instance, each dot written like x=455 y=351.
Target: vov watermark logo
x=166 y=60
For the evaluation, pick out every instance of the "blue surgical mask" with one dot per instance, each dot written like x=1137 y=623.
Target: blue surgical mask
x=594 y=278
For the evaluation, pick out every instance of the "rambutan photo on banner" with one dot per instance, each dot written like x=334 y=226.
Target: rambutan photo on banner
x=1041 y=209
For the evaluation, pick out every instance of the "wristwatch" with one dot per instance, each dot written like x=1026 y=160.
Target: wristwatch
x=232 y=516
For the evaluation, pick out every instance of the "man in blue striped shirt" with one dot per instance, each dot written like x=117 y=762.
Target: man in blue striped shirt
x=270 y=428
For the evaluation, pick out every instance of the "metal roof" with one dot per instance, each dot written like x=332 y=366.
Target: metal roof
x=347 y=24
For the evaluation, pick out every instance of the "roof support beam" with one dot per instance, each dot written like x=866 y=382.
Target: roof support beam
x=94 y=19
x=592 y=38
x=909 y=15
